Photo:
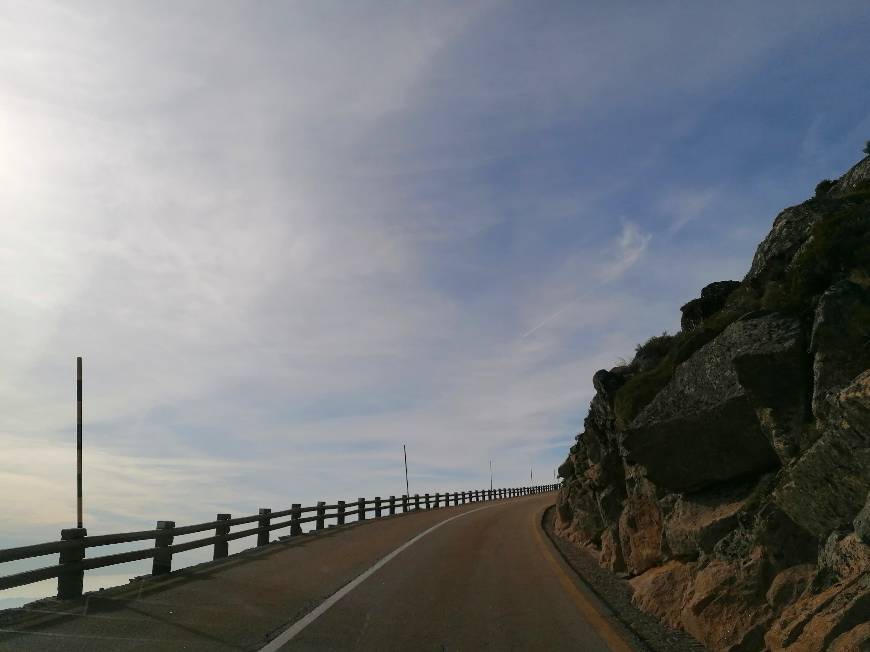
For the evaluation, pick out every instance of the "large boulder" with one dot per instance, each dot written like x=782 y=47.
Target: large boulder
x=843 y=556
x=772 y=371
x=578 y=514
x=790 y=230
x=818 y=619
x=856 y=179
x=840 y=341
x=640 y=530
x=726 y=606
x=662 y=590
x=694 y=523
x=712 y=299
x=827 y=486
x=702 y=428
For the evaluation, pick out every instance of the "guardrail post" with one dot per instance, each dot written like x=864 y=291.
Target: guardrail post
x=320 y=515
x=162 y=562
x=392 y=505
x=377 y=506
x=404 y=504
x=295 y=515
x=341 y=505
x=72 y=575
x=221 y=548
x=437 y=500
x=361 y=508
x=264 y=521
x=416 y=502
x=428 y=506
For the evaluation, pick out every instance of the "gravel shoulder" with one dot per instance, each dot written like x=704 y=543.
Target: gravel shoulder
x=616 y=594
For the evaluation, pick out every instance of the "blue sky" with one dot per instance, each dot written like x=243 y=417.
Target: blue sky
x=288 y=238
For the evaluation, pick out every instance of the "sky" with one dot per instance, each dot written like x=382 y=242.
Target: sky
x=289 y=237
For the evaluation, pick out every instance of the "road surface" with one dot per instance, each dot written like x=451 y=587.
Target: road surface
x=481 y=576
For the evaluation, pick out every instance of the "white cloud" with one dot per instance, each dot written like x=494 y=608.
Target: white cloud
x=625 y=252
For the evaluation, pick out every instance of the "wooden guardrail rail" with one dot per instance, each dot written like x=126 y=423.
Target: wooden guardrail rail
x=75 y=541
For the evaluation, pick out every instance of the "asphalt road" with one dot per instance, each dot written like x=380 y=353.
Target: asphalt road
x=476 y=577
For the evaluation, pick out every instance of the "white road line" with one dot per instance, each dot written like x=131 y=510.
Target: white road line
x=294 y=629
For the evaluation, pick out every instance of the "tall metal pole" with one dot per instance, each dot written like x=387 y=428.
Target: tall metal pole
x=490 y=475
x=79 y=440
x=407 y=490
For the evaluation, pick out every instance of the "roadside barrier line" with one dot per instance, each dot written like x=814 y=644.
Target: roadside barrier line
x=603 y=627
x=291 y=632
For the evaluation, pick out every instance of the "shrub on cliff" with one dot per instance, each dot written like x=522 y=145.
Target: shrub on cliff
x=824 y=186
x=655 y=347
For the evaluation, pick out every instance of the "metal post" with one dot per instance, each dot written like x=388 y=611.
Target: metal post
x=295 y=515
x=162 y=563
x=263 y=522
x=72 y=574
x=490 y=475
x=79 y=442
x=320 y=515
x=361 y=508
x=221 y=548
x=405 y=451
x=341 y=506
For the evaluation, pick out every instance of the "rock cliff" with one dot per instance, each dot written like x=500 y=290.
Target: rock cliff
x=725 y=471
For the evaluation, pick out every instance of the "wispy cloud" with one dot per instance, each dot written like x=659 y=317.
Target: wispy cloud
x=625 y=252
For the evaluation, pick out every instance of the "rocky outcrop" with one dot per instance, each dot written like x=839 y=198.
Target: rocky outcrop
x=826 y=488
x=840 y=341
x=712 y=299
x=791 y=229
x=708 y=415
x=726 y=470
x=855 y=180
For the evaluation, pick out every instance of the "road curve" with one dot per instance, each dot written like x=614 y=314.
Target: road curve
x=476 y=577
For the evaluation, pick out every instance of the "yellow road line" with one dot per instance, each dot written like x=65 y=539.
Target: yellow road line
x=599 y=623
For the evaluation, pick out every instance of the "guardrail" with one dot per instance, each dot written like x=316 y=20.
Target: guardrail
x=74 y=541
